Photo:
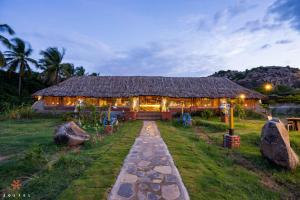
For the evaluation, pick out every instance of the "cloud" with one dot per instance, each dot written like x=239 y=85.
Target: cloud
x=220 y=18
x=80 y=49
x=198 y=48
x=265 y=46
x=161 y=58
x=241 y=6
x=283 y=41
x=258 y=25
x=287 y=11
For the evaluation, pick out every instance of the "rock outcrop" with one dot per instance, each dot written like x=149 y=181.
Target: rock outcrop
x=70 y=134
x=275 y=145
x=258 y=76
x=38 y=105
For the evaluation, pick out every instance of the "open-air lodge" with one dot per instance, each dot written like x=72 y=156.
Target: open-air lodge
x=140 y=95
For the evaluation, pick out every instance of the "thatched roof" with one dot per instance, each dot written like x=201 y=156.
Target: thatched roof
x=126 y=86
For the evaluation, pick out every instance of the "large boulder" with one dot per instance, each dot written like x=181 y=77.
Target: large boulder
x=71 y=134
x=275 y=145
x=38 y=106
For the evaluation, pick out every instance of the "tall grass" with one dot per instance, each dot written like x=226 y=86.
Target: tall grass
x=17 y=113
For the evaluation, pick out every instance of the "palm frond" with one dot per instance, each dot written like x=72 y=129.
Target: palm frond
x=5 y=41
x=6 y=28
x=33 y=61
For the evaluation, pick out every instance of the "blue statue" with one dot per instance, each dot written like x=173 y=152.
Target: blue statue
x=112 y=121
x=187 y=119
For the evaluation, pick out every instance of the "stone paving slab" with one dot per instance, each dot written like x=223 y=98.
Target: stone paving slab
x=148 y=172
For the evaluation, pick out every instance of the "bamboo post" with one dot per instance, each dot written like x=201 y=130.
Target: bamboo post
x=231 y=121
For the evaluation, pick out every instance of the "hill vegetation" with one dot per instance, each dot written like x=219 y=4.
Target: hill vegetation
x=285 y=81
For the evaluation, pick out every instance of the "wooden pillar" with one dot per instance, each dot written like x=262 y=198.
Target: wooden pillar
x=60 y=101
x=231 y=121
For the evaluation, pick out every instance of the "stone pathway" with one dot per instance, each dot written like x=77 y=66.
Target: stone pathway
x=148 y=171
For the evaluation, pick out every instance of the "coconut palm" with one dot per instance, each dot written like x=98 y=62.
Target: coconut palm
x=4 y=28
x=53 y=68
x=18 y=59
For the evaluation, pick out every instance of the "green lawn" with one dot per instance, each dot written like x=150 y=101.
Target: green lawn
x=212 y=172
x=208 y=170
x=51 y=172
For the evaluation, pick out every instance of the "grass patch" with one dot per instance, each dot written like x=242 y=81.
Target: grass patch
x=18 y=138
x=211 y=126
x=208 y=170
x=98 y=178
x=47 y=170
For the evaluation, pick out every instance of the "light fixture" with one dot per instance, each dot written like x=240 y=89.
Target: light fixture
x=268 y=86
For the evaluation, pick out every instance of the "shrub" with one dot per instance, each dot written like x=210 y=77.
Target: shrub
x=68 y=116
x=239 y=111
x=89 y=116
x=22 y=112
x=207 y=113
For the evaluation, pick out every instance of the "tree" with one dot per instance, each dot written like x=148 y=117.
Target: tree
x=18 y=59
x=4 y=28
x=94 y=74
x=53 y=68
x=79 y=71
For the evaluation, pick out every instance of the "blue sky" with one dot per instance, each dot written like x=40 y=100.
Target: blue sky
x=161 y=37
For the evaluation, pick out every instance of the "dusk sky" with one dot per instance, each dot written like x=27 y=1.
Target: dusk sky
x=161 y=37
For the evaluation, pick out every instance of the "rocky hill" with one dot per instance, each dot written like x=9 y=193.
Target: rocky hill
x=256 y=77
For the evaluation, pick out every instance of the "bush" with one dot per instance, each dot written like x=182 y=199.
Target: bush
x=89 y=116
x=207 y=113
x=239 y=111
x=213 y=126
x=68 y=116
x=22 y=112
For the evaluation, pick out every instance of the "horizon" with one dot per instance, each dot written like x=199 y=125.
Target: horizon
x=182 y=39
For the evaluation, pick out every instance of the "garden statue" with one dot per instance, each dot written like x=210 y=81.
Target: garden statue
x=110 y=121
x=186 y=119
x=224 y=107
x=78 y=108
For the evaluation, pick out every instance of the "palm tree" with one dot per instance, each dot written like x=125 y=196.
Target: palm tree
x=4 y=28
x=53 y=68
x=18 y=59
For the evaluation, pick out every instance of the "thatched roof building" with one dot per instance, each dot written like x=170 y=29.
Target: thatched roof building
x=128 y=86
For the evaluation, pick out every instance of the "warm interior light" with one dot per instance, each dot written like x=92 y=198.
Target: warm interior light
x=242 y=96
x=149 y=105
